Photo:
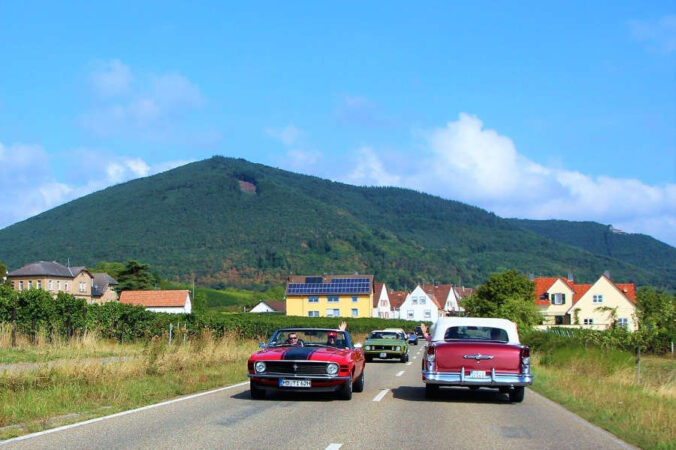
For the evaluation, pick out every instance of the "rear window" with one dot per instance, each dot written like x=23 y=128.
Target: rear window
x=475 y=333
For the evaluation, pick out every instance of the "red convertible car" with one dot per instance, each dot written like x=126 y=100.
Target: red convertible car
x=477 y=353
x=307 y=360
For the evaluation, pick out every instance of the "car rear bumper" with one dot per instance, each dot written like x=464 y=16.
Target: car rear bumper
x=491 y=379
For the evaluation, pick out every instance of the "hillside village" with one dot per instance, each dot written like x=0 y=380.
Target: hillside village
x=560 y=301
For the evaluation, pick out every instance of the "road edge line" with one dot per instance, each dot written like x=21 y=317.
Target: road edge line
x=121 y=413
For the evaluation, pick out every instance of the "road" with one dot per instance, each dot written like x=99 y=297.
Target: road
x=391 y=413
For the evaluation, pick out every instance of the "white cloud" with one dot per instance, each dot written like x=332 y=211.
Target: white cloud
x=465 y=161
x=146 y=106
x=28 y=184
x=288 y=135
x=660 y=35
x=111 y=78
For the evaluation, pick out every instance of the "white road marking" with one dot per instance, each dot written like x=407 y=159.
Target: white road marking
x=120 y=414
x=334 y=446
x=415 y=357
x=380 y=396
x=399 y=374
x=409 y=363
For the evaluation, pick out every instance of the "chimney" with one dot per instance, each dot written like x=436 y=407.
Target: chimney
x=570 y=277
x=607 y=274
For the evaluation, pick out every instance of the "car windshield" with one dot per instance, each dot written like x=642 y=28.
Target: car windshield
x=385 y=335
x=309 y=338
x=475 y=333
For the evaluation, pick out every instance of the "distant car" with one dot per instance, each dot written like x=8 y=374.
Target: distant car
x=477 y=352
x=320 y=360
x=412 y=338
x=384 y=344
x=419 y=332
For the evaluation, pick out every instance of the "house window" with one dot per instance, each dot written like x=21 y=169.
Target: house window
x=30 y=284
x=422 y=300
x=428 y=313
x=49 y=285
x=598 y=298
x=354 y=299
x=13 y=286
x=588 y=321
x=313 y=313
x=83 y=287
x=333 y=312
x=355 y=312
x=383 y=303
x=313 y=299
x=333 y=298
x=58 y=285
x=558 y=320
x=558 y=299
x=409 y=314
x=623 y=322
x=65 y=286
x=414 y=300
x=20 y=285
x=38 y=284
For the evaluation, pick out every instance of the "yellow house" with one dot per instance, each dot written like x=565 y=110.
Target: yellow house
x=329 y=296
x=598 y=306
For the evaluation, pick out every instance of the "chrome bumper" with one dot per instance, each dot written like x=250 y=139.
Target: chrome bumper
x=460 y=379
x=317 y=377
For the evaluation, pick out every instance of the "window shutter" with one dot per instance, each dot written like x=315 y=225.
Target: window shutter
x=551 y=298
x=563 y=299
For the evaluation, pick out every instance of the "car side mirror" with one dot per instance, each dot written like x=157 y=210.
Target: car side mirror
x=357 y=345
x=262 y=345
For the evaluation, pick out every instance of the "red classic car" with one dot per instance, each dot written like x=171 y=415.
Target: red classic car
x=307 y=360
x=476 y=352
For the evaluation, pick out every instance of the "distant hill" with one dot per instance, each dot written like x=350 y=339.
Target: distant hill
x=232 y=222
x=638 y=249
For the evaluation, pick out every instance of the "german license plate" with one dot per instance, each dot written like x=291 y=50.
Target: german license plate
x=295 y=383
x=477 y=374
x=383 y=355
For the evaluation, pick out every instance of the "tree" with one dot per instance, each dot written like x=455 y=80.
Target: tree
x=111 y=268
x=656 y=311
x=136 y=277
x=3 y=274
x=507 y=295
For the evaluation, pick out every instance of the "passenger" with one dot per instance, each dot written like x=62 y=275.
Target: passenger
x=331 y=338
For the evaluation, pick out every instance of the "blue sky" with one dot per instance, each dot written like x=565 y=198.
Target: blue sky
x=540 y=110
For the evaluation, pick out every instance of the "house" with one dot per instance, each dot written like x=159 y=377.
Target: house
x=397 y=298
x=169 y=301
x=266 y=306
x=381 y=302
x=54 y=278
x=423 y=305
x=448 y=296
x=103 y=288
x=599 y=305
x=329 y=295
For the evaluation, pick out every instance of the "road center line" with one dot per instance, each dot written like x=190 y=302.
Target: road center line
x=380 y=396
x=399 y=374
x=334 y=446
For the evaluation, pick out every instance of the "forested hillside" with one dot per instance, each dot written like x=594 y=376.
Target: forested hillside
x=228 y=221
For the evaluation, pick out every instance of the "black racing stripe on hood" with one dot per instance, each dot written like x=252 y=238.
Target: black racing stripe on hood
x=299 y=353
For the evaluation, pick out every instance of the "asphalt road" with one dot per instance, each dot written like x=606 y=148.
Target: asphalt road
x=391 y=413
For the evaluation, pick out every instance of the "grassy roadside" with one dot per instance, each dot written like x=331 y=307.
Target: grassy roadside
x=600 y=386
x=48 y=397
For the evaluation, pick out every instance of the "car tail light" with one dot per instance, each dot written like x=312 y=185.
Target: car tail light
x=431 y=354
x=525 y=359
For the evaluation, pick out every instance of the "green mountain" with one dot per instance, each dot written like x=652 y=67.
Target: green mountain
x=231 y=222
x=638 y=249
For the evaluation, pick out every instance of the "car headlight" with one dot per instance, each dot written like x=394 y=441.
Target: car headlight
x=368 y=347
x=398 y=348
x=332 y=369
x=259 y=367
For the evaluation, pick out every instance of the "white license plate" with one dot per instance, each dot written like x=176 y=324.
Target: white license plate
x=295 y=383
x=383 y=355
x=477 y=374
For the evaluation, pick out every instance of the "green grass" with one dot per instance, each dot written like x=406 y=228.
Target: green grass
x=600 y=386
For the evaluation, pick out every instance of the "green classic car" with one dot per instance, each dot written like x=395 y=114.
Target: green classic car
x=385 y=344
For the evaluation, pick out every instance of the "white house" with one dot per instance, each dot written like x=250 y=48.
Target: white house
x=173 y=302
x=420 y=305
x=381 y=302
x=266 y=306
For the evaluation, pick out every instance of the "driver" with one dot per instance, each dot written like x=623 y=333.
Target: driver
x=293 y=340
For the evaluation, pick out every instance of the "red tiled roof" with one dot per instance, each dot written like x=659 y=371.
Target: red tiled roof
x=438 y=294
x=277 y=306
x=377 y=289
x=462 y=292
x=541 y=287
x=579 y=290
x=628 y=289
x=175 y=298
x=397 y=298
